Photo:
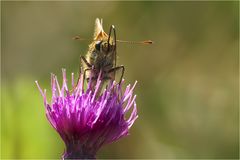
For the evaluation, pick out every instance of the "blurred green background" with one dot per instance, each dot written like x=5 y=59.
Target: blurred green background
x=188 y=79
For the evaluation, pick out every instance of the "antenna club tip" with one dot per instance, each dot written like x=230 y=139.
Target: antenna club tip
x=148 y=42
x=75 y=37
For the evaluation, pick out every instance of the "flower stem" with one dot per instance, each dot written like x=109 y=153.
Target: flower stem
x=77 y=151
x=77 y=156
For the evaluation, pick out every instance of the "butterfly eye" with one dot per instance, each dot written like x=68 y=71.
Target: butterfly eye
x=105 y=46
x=98 y=45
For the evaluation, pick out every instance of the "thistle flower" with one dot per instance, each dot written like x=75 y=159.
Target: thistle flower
x=86 y=121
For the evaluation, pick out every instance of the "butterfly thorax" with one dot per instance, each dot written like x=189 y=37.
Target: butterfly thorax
x=101 y=56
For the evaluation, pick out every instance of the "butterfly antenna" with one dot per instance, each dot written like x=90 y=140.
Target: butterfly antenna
x=80 y=38
x=136 y=42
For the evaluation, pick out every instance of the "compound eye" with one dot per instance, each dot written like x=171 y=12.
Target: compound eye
x=105 y=46
x=98 y=45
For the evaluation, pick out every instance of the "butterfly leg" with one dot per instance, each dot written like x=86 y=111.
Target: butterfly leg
x=116 y=69
x=82 y=59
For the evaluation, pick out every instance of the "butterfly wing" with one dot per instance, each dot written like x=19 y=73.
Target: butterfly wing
x=99 y=33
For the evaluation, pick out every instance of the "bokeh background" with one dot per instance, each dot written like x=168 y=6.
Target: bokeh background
x=188 y=79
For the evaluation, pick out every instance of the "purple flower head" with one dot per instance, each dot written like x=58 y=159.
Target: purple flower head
x=86 y=120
